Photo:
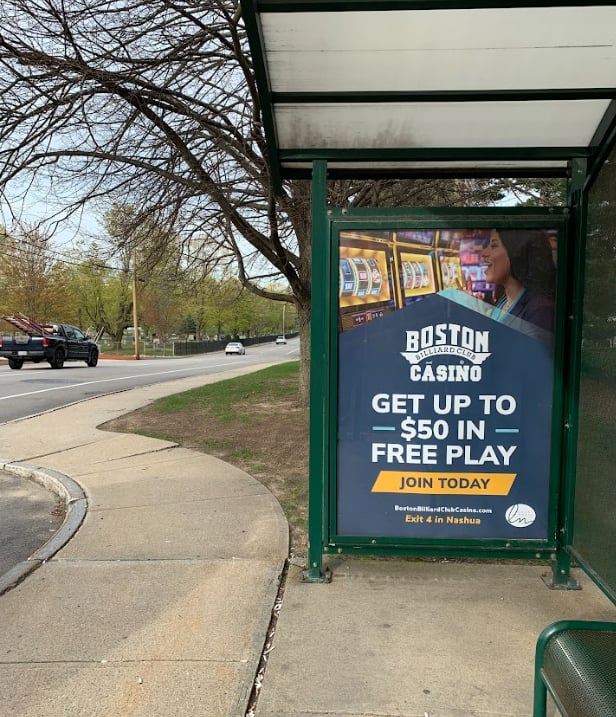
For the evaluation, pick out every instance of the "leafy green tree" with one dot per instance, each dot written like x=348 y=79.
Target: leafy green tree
x=104 y=296
x=35 y=282
x=160 y=305
x=195 y=301
x=133 y=253
x=221 y=313
x=189 y=325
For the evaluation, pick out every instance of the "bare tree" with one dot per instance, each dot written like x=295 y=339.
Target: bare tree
x=34 y=280
x=154 y=102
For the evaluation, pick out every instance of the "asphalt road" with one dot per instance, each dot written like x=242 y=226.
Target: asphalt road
x=37 y=388
x=28 y=518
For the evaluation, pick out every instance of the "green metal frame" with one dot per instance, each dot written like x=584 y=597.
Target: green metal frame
x=356 y=157
x=319 y=379
x=249 y=13
x=576 y=200
x=324 y=337
x=359 y=5
x=582 y=179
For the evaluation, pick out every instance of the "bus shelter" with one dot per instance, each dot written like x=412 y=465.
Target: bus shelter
x=445 y=422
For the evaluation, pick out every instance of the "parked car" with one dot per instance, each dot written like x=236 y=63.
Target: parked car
x=235 y=347
x=281 y=340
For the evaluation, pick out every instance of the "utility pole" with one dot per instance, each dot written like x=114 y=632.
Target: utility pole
x=135 y=317
x=284 y=306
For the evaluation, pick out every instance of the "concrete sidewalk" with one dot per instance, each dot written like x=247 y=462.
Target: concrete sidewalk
x=160 y=604
x=398 y=638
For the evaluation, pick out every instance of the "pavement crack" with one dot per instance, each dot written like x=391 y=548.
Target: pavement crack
x=268 y=645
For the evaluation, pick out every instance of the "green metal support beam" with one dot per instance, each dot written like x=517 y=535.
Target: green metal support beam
x=432 y=154
x=259 y=65
x=387 y=5
x=380 y=97
x=320 y=332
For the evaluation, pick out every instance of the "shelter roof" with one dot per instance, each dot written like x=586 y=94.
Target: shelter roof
x=420 y=88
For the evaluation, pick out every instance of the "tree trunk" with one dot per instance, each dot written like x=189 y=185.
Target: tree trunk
x=303 y=315
x=116 y=337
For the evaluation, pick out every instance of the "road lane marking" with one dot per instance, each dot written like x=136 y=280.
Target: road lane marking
x=105 y=380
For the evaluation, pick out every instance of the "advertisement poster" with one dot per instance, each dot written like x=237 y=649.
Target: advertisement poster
x=445 y=384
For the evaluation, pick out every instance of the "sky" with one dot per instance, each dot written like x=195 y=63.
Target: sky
x=65 y=233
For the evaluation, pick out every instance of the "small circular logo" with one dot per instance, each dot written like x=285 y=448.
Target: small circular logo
x=520 y=515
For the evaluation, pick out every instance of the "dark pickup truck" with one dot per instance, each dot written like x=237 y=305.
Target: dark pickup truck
x=54 y=343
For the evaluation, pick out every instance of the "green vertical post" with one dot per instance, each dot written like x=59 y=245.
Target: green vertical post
x=576 y=200
x=320 y=332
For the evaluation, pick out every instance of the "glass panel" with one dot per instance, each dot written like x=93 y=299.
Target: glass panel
x=447 y=124
x=431 y=50
x=424 y=29
x=595 y=494
x=406 y=70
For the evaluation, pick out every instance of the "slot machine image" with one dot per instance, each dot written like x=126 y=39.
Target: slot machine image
x=414 y=257
x=365 y=289
x=417 y=277
x=376 y=276
x=424 y=275
x=407 y=275
x=448 y=259
x=362 y=276
x=347 y=279
x=450 y=270
x=445 y=275
x=416 y=274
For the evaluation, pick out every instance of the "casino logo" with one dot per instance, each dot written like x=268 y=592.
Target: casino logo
x=443 y=342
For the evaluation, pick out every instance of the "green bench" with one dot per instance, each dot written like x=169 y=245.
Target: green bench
x=575 y=663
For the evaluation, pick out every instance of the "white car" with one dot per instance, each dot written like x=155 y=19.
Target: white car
x=281 y=340
x=235 y=347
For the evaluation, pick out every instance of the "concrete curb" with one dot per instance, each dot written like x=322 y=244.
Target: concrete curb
x=76 y=507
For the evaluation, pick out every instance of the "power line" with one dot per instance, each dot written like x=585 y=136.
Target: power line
x=54 y=256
